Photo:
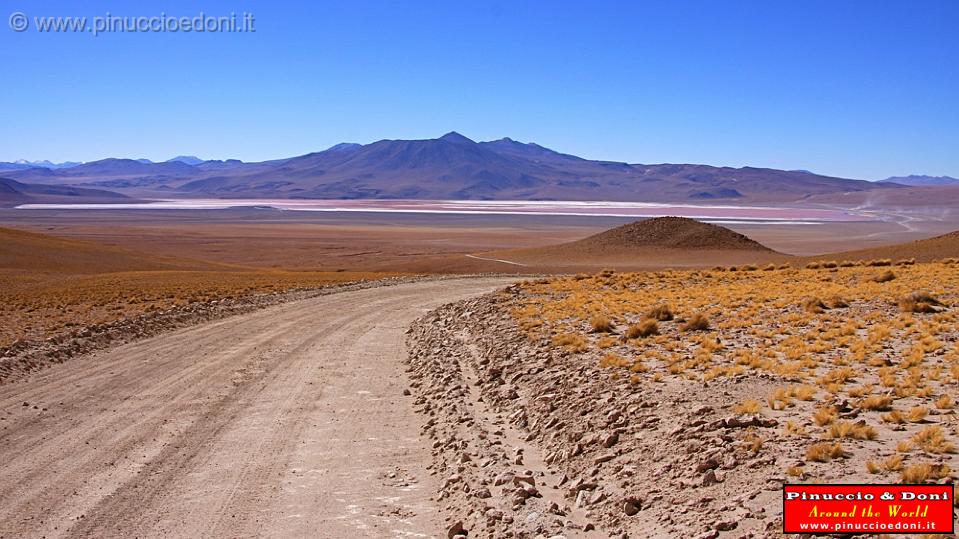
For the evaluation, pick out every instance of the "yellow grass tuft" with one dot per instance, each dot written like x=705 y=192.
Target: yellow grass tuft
x=933 y=440
x=661 y=313
x=572 y=342
x=884 y=277
x=646 y=328
x=601 y=324
x=824 y=416
x=893 y=463
x=945 y=402
x=920 y=302
x=894 y=416
x=848 y=429
x=917 y=414
x=696 y=322
x=824 y=452
x=748 y=406
x=877 y=402
x=922 y=473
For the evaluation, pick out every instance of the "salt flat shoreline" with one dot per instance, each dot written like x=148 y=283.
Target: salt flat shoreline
x=712 y=212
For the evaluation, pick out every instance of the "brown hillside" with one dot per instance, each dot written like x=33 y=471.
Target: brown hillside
x=50 y=286
x=20 y=250
x=927 y=250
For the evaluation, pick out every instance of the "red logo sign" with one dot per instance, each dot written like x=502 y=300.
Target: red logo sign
x=869 y=509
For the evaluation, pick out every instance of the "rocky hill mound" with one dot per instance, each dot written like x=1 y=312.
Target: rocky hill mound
x=670 y=233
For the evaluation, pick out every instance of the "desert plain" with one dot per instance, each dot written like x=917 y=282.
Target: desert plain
x=533 y=375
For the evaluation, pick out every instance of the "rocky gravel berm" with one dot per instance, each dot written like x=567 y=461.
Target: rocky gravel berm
x=530 y=441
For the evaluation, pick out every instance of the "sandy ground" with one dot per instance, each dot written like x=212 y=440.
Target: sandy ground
x=286 y=422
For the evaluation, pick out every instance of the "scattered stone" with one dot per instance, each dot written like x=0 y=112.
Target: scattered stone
x=631 y=506
x=455 y=530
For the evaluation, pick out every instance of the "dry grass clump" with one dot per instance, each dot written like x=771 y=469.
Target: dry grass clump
x=920 y=302
x=824 y=452
x=923 y=472
x=802 y=392
x=612 y=360
x=917 y=414
x=894 y=416
x=794 y=429
x=884 y=277
x=696 y=322
x=814 y=305
x=600 y=324
x=877 y=402
x=856 y=431
x=824 y=416
x=661 y=313
x=933 y=440
x=837 y=302
x=795 y=471
x=780 y=399
x=893 y=463
x=572 y=342
x=646 y=328
x=945 y=402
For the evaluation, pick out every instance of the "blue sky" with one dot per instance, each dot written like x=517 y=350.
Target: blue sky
x=859 y=89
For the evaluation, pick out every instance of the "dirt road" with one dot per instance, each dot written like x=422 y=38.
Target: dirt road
x=286 y=422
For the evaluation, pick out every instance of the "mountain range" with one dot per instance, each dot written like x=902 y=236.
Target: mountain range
x=918 y=180
x=449 y=167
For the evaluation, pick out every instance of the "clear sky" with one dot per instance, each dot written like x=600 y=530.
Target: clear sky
x=863 y=89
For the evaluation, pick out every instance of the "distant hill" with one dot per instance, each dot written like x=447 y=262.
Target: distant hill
x=449 y=167
x=916 y=180
x=651 y=243
x=669 y=233
x=14 y=193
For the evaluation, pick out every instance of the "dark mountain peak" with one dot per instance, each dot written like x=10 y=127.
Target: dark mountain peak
x=456 y=138
x=529 y=150
x=344 y=147
x=188 y=159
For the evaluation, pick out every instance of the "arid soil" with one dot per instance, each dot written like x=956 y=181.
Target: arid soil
x=54 y=290
x=24 y=356
x=557 y=407
x=290 y=421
